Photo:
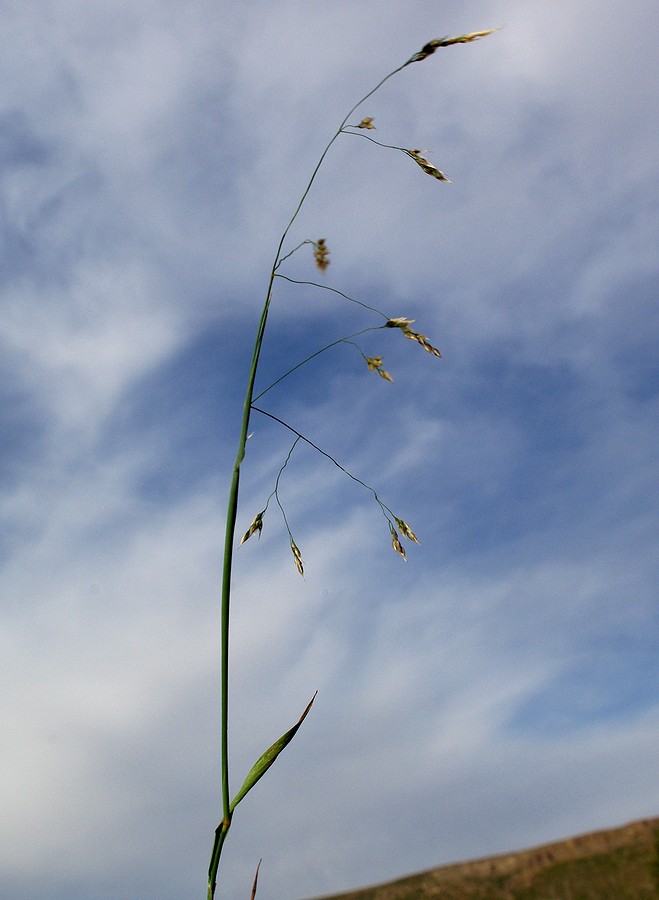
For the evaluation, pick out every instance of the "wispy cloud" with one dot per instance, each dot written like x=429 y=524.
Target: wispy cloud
x=497 y=691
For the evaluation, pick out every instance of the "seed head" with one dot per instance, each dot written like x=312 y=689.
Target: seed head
x=374 y=364
x=395 y=542
x=400 y=322
x=429 y=48
x=404 y=324
x=427 y=167
x=366 y=123
x=406 y=531
x=321 y=254
x=256 y=525
x=422 y=340
x=297 y=556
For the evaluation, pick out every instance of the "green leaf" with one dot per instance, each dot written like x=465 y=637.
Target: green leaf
x=264 y=761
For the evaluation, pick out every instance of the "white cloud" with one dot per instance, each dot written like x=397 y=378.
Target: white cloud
x=493 y=693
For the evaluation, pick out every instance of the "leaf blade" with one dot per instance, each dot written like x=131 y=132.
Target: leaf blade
x=266 y=759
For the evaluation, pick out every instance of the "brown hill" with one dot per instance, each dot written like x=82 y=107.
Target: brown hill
x=616 y=864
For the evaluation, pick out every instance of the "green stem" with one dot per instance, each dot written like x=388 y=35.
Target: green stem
x=232 y=508
x=229 y=537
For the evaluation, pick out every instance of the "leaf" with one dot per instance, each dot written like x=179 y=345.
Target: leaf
x=256 y=879
x=266 y=759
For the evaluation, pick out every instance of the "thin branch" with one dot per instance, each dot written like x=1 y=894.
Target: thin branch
x=326 y=287
x=385 y=509
x=291 y=252
x=342 y=340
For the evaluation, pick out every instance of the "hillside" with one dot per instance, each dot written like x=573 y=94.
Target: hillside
x=616 y=864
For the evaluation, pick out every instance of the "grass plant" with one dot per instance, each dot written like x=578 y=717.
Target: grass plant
x=398 y=528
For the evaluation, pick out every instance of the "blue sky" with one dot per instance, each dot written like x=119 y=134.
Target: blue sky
x=497 y=691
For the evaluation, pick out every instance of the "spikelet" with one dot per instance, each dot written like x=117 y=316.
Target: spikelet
x=399 y=322
x=256 y=525
x=297 y=556
x=367 y=122
x=374 y=364
x=321 y=254
x=406 y=531
x=422 y=340
x=429 y=48
x=404 y=323
x=395 y=542
x=427 y=167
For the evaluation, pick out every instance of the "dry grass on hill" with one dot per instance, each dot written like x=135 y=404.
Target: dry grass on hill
x=616 y=864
